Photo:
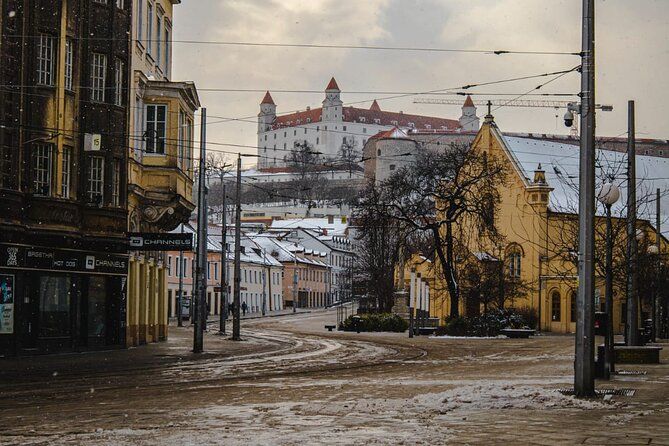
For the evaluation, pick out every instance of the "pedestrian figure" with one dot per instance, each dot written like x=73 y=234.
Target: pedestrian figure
x=231 y=308
x=244 y=308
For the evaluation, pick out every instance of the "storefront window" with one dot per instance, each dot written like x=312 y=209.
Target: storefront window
x=97 y=308
x=54 y=306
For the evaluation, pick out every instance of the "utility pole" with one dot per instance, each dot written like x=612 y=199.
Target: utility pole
x=180 y=292
x=295 y=293
x=199 y=314
x=238 y=236
x=657 y=304
x=584 y=377
x=264 y=283
x=632 y=326
x=412 y=298
x=224 y=265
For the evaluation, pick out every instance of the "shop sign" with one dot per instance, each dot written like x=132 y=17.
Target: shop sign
x=31 y=257
x=6 y=304
x=157 y=241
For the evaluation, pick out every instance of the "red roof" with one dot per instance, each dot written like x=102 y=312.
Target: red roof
x=369 y=116
x=375 y=106
x=267 y=99
x=468 y=102
x=332 y=85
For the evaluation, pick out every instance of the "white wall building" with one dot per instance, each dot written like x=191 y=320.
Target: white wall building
x=326 y=129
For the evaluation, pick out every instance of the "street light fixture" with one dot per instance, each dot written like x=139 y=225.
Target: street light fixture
x=608 y=195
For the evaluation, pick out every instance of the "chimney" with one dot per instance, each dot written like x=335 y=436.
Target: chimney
x=308 y=108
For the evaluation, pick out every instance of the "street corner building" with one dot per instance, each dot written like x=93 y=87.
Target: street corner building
x=63 y=157
x=160 y=167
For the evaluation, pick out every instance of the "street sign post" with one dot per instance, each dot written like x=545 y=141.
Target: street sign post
x=150 y=241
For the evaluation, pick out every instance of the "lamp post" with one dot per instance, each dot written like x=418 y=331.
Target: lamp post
x=608 y=196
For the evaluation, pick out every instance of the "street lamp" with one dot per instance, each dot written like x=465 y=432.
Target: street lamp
x=608 y=195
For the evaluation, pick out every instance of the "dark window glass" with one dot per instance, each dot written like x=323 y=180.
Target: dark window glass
x=54 y=306
x=97 y=308
x=555 y=307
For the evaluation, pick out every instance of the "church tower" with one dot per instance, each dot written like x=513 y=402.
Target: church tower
x=469 y=121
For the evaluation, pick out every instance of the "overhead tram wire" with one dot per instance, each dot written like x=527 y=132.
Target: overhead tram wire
x=493 y=52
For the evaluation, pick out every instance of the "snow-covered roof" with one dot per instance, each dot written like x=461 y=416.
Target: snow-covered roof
x=285 y=251
x=560 y=161
x=337 y=227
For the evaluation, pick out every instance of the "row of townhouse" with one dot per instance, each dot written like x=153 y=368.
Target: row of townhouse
x=275 y=273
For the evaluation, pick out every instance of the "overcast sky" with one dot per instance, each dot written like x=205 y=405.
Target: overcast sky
x=632 y=46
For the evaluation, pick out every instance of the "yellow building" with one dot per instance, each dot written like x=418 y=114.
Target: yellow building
x=160 y=170
x=538 y=220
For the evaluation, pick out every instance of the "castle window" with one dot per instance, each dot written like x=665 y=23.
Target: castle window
x=393 y=122
x=392 y=167
x=285 y=134
x=361 y=119
x=305 y=131
x=274 y=135
x=364 y=130
x=428 y=126
x=318 y=140
x=265 y=137
x=377 y=121
x=344 y=128
x=308 y=120
x=294 y=132
x=378 y=152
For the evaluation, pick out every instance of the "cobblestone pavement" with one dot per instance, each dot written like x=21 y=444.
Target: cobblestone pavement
x=291 y=382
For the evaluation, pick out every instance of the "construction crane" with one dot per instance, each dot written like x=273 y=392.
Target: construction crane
x=498 y=102
x=504 y=103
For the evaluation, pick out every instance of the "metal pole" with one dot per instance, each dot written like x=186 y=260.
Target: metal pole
x=295 y=293
x=264 y=283
x=412 y=294
x=224 y=265
x=632 y=327
x=609 y=367
x=584 y=364
x=181 y=285
x=200 y=272
x=657 y=307
x=238 y=236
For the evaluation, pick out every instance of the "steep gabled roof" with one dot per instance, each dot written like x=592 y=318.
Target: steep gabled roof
x=375 y=106
x=267 y=99
x=468 y=102
x=332 y=85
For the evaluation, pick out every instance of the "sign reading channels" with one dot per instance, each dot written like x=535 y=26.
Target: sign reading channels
x=150 y=241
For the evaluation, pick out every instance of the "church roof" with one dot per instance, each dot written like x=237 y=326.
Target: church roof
x=332 y=85
x=394 y=133
x=267 y=99
x=375 y=106
x=469 y=102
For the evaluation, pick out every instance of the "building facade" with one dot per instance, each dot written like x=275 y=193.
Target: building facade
x=335 y=130
x=160 y=168
x=538 y=220
x=64 y=71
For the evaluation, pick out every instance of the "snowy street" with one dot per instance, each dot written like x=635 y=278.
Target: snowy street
x=292 y=382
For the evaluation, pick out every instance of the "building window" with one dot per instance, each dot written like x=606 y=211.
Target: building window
x=140 y=20
x=169 y=266
x=139 y=123
x=95 y=179
x=116 y=189
x=364 y=130
x=572 y=310
x=514 y=263
x=119 y=70
x=159 y=36
x=155 y=128
x=392 y=167
x=149 y=27
x=42 y=168
x=181 y=133
x=66 y=174
x=167 y=52
x=102 y=2
x=98 y=70
x=69 y=57
x=318 y=140
x=215 y=271
x=46 y=58
x=120 y=4
x=556 y=307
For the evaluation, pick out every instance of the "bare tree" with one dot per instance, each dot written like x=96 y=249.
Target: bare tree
x=441 y=190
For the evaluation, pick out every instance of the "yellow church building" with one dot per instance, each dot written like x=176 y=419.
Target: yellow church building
x=538 y=221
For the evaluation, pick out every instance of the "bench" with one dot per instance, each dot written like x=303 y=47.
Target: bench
x=517 y=333
x=330 y=327
x=427 y=331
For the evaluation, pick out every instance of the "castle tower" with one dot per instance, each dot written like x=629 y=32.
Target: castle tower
x=469 y=121
x=267 y=114
x=332 y=104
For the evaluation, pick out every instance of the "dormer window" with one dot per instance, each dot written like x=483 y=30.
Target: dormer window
x=377 y=121
x=412 y=125
x=428 y=126
x=362 y=119
x=308 y=121
x=393 y=122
